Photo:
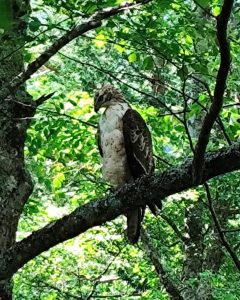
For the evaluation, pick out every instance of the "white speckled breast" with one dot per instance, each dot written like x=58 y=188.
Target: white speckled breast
x=115 y=168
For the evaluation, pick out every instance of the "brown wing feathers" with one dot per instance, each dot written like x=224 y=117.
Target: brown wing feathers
x=138 y=144
x=98 y=139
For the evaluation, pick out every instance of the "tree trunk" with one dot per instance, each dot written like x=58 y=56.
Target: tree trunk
x=193 y=260
x=16 y=184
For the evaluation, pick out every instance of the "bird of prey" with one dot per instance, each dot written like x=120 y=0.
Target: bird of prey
x=125 y=144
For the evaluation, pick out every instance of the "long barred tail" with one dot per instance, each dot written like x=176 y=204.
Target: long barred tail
x=134 y=219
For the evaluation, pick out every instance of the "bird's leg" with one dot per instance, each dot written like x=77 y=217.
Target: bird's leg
x=154 y=208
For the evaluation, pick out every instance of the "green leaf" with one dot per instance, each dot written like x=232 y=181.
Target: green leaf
x=6 y=18
x=34 y=24
x=182 y=73
x=28 y=57
x=132 y=57
x=119 y=48
x=100 y=40
x=188 y=39
x=58 y=180
x=216 y=11
x=148 y=63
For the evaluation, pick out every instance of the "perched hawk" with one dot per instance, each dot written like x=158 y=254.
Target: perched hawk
x=125 y=144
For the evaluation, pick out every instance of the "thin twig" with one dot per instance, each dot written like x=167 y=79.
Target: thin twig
x=197 y=80
x=174 y=227
x=53 y=113
x=185 y=98
x=68 y=116
x=126 y=84
x=231 y=230
x=231 y=105
x=163 y=160
x=219 y=121
x=43 y=284
x=97 y=280
x=44 y=98
x=94 y=21
x=204 y=9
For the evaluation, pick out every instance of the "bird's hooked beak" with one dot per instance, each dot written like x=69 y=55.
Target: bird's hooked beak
x=96 y=106
x=97 y=103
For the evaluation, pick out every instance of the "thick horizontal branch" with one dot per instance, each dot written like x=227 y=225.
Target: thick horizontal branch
x=92 y=22
x=212 y=115
x=97 y=212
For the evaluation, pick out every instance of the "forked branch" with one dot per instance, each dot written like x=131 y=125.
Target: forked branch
x=211 y=116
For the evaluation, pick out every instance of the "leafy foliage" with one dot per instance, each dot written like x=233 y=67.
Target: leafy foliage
x=164 y=58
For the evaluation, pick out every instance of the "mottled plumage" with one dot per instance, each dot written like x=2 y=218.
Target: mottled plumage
x=125 y=145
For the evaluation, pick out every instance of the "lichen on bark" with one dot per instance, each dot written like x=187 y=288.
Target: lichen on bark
x=16 y=185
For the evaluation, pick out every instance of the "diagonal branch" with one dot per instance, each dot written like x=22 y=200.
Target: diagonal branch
x=131 y=86
x=97 y=280
x=94 y=21
x=164 y=278
x=44 y=98
x=220 y=231
x=205 y=9
x=174 y=227
x=211 y=116
x=94 y=213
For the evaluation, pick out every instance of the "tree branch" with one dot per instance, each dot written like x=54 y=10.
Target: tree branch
x=165 y=280
x=205 y=9
x=97 y=280
x=174 y=227
x=162 y=160
x=211 y=116
x=193 y=250
x=231 y=230
x=44 y=98
x=219 y=229
x=214 y=256
x=94 y=21
x=131 y=86
x=94 y=213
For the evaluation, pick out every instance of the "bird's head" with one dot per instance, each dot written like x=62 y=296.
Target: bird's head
x=107 y=95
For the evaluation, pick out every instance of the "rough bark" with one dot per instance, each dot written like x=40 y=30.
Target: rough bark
x=193 y=251
x=97 y=212
x=16 y=184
